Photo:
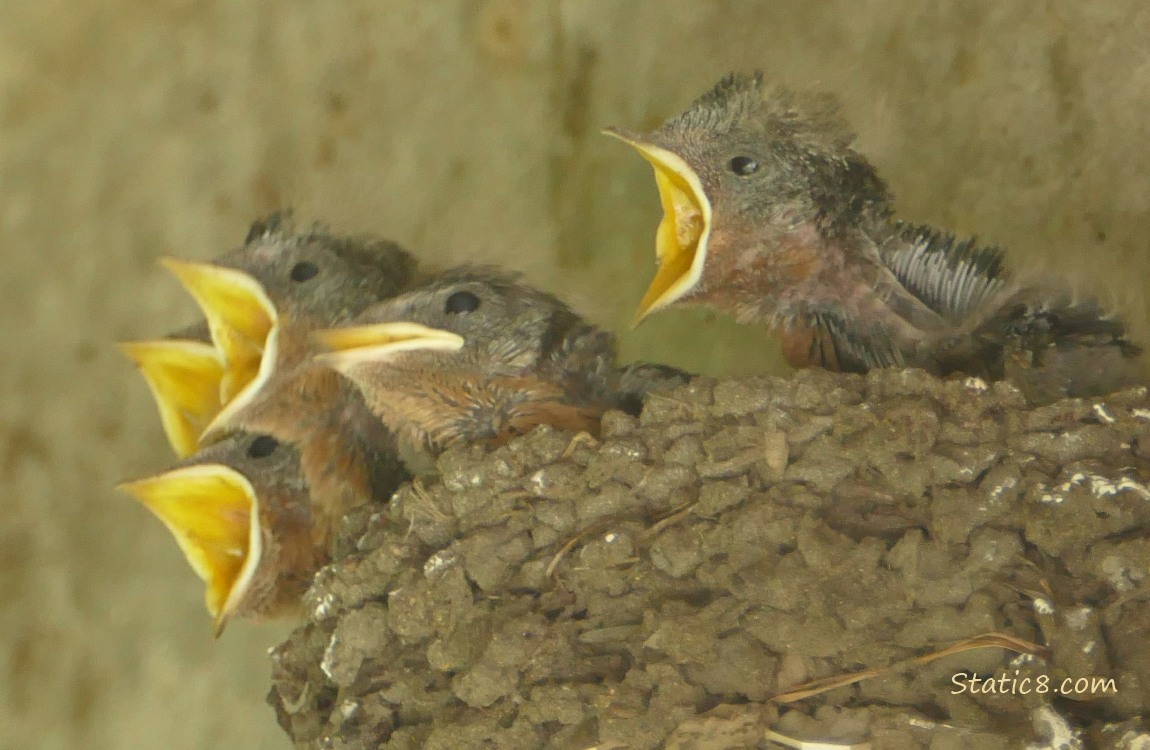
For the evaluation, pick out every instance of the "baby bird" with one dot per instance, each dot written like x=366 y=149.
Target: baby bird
x=770 y=215
x=240 y=512
x=478 y=355
x=260 y=303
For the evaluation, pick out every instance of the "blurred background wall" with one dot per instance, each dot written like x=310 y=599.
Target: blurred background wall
x=468 y=131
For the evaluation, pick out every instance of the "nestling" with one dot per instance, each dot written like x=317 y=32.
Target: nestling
x=771 y=215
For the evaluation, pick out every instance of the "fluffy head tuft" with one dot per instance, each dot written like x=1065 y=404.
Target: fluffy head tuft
x=741 y=102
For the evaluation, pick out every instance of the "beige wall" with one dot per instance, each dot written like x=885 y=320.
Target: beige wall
x=468 y=130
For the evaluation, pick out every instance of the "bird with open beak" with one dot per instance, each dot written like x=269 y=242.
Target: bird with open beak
x=184 y=376
x=260 y=302
x=241 y=513
x=770 y=215
x=478 y=355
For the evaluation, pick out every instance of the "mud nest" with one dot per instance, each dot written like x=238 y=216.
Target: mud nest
x=671 y=584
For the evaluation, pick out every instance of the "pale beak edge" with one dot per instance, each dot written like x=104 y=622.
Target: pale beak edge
x=184 y=379
x=353 y=345
x=681 y=240
x=213 y=512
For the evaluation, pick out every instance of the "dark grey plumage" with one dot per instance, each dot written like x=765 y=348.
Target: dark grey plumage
x=350 y=272
x=518 y=357
x=953 y=277
x=353 y=271
x=801 y=237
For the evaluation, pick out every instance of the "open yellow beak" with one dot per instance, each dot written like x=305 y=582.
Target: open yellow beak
x=184 y=378
x=244 y=326
x=213 y=512
x=355 y=345
x=681 y=241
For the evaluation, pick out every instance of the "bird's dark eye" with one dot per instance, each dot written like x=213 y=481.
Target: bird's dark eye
x=263 y=446
x=461 y=302
x=743 y=166
x=303 y=271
